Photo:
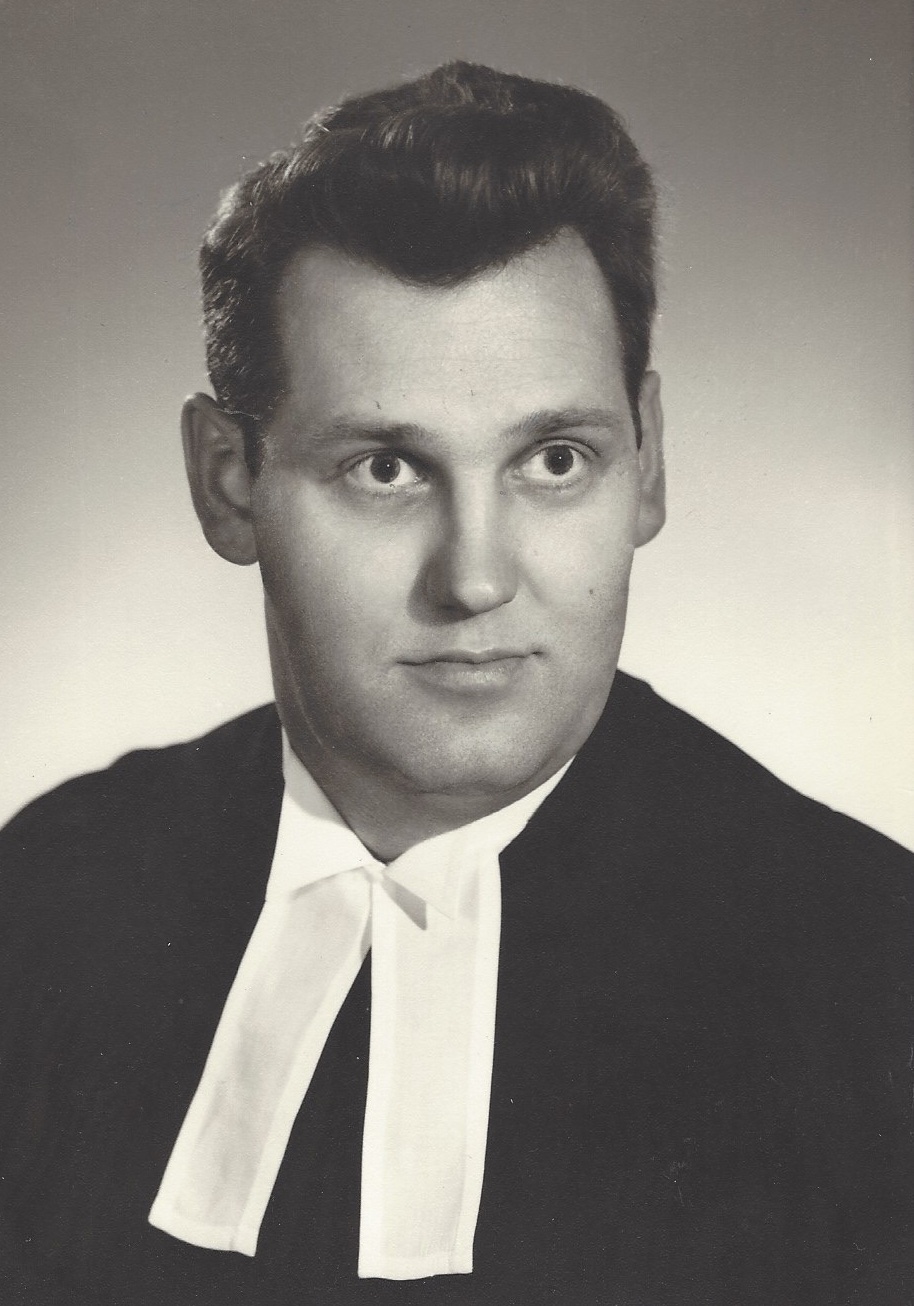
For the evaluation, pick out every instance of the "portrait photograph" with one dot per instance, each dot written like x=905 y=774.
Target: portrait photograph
x=457 y=556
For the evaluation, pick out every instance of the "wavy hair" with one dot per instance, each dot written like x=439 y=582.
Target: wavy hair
x=434 y=180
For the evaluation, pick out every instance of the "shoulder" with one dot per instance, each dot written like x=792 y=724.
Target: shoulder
x=135 y=888
x=689 y=771
x=731 y=847
x=62 y=843
x=142 y=775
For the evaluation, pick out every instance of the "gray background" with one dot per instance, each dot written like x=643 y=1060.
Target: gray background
x=777 y=604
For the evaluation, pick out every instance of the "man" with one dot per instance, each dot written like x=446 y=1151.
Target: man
x=473 y=972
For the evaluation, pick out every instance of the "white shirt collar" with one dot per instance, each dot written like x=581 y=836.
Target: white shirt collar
x=431 y=870
x=434 y=979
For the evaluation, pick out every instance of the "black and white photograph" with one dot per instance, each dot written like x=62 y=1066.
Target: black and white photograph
x=457 y=561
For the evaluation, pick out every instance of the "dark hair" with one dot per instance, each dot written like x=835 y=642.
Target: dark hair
x=434 y=180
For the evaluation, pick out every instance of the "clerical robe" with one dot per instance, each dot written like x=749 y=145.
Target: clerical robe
x=704 y=1064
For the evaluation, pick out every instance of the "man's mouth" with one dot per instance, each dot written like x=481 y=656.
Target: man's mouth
x=473 y=670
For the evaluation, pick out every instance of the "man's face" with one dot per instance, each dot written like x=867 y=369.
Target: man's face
x=445 y=519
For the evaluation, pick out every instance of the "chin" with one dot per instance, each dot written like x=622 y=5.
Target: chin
x=481 y=770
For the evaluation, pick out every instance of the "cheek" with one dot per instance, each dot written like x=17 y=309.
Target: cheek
x=584 y=573
x=332 y=594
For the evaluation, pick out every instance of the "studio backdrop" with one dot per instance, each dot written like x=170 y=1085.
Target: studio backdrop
x=778 y=603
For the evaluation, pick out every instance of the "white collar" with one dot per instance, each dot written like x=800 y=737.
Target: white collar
x=431 y=869
x=434 y=980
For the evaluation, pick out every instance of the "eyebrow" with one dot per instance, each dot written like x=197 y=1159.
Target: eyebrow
x=538 y=425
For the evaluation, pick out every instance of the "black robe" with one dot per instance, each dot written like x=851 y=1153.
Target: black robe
x=703 y=1089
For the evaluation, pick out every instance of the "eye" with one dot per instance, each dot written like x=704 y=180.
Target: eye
x=383 y=473
x=554 y=465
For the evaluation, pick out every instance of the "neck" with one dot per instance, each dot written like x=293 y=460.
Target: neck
x=388 y=816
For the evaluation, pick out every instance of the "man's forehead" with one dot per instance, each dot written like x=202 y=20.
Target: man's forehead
x=320 y=277
x=525 y=349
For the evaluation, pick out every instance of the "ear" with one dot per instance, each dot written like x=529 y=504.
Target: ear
x=652 y=512
x=220 y=481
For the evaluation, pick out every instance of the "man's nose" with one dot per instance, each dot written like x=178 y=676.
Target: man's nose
x=473 y=564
